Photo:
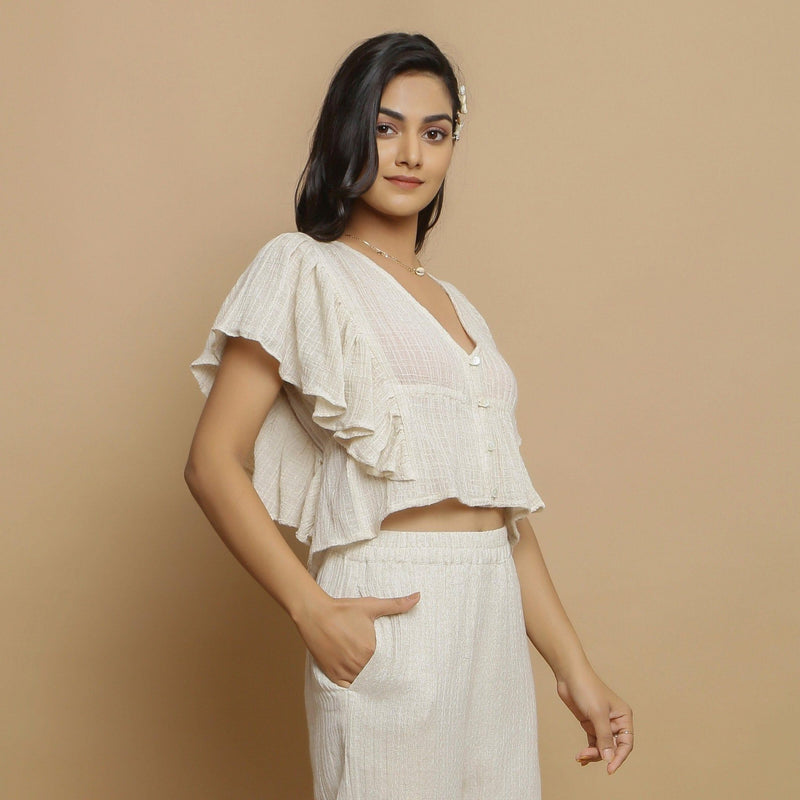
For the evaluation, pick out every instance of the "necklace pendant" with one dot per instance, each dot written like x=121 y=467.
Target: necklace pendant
x=420 y=270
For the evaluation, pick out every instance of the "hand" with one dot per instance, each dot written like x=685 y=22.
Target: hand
x=601 y=714
x=340 y=633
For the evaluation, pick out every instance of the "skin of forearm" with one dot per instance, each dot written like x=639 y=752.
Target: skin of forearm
x=225 y=493
x=546 y=622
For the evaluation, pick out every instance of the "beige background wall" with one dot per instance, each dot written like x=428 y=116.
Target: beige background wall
x=634 y=163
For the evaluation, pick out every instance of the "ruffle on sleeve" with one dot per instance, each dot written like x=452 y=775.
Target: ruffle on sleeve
x=287 y=301
x=286 y=467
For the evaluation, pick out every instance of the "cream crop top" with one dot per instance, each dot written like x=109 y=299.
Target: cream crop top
x=381 y=409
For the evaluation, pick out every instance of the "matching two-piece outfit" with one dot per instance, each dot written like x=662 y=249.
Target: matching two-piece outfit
x=381 y=410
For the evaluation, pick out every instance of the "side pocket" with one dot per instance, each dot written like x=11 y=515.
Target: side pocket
x=374 y=659
x=368 y=668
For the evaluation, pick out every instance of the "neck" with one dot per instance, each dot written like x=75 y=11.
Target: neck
x=395 y=235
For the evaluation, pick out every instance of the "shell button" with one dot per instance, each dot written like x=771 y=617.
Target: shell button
x=483 y=402
x=490 y=446
x=475 y=360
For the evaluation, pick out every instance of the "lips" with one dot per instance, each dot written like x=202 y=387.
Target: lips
x=406 y=181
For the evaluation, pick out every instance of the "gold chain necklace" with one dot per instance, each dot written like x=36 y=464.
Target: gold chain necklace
x=418 y=270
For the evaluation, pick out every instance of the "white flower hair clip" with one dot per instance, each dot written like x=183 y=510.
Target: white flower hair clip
x=462 y=94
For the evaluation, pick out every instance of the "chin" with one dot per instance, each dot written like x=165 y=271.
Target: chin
x=403 y=209
x=396 y=206
x=396 y=214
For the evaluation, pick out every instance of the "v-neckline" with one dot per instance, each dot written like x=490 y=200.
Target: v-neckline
x=421 y=307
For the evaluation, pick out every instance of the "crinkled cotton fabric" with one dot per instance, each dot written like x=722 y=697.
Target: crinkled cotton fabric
x=381 y=409
x=445 y=708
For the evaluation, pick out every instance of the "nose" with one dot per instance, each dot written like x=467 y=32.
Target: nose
x=409 y=151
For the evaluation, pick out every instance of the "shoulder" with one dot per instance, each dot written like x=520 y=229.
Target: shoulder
x=294 y=270
x=288 y=262
x=292 y=248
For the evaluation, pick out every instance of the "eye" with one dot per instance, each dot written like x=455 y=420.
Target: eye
x=435 y=135
x=384 y=129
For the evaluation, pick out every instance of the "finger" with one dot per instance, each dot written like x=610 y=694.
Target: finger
x=590 y=751
x=622 y=726
x=587 y=755
x=623 y=751
x=604 y=737
x=394 y=605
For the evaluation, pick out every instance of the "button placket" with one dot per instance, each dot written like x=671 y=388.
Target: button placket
x=484 y=415
x=491 y=448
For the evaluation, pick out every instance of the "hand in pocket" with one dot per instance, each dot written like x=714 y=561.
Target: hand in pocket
x=340 y=634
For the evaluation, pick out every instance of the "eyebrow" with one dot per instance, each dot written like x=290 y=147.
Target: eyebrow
x=431 y=118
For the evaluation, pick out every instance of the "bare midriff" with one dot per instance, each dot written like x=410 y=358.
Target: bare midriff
x=446 y=515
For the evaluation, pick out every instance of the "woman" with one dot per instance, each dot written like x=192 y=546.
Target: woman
x=360 y=400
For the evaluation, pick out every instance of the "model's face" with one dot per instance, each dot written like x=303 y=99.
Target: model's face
x=414 y=133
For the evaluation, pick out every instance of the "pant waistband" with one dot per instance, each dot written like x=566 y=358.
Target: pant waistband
x=477 y=547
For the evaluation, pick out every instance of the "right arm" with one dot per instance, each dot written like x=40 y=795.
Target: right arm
x=339 y=632
x=245 y=388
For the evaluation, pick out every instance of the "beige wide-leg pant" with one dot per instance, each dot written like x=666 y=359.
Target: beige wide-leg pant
x=445 y=709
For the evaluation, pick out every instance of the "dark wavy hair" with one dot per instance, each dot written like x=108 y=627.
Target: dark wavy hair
x=344 y=138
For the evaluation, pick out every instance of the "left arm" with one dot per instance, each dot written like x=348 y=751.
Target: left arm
x=600 y=712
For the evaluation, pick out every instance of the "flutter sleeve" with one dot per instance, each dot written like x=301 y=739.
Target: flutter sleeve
x=287 y=301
